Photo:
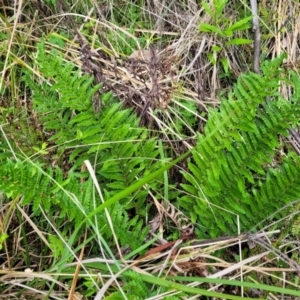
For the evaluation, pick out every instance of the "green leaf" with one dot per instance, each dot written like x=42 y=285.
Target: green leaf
x=171 y=285
x=264 y=287
x=216 y=48
x=207 y=8
x=241 y=24
x=225 y=64
x=3 y=237
x=204 y=27
x=212 y=58
x=227 y=33
x=239 y=41
x=190 y=189
x=219 y=6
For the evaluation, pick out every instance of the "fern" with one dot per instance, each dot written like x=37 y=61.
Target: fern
x=112 y=140
x=40 y=186
x=114 y=136
x=130 y=231
x=231 y=165
x=230 y=162
x=134 y=288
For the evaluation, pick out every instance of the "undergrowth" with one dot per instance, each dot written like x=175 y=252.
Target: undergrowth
x=101 y=185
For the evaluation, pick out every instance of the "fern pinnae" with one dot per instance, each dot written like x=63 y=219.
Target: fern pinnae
x=63 y=106
x=249 y=143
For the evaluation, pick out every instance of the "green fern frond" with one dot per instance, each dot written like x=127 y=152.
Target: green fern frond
x=134 y=288
x=40 y=186
x=240 y=140
x=112 y=140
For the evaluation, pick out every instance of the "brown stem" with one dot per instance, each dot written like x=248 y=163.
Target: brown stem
x=256 y=36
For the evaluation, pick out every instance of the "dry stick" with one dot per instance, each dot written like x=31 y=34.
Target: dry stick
x=256 y=34
x=295 y=144
x=75 y=277
x=17 y=15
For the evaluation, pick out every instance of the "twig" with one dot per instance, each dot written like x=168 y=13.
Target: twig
x=296 y=136
x=256 y=35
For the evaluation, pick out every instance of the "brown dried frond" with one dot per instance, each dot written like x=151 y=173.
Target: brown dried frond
x=143 y=80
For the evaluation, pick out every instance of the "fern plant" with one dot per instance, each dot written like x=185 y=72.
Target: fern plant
x=232 y=166
x=55 y=178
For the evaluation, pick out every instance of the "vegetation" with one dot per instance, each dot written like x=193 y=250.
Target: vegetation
x=141 y=150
